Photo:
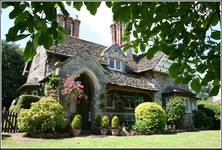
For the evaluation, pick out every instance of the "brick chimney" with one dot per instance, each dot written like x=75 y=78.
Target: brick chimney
x=71 y=25
x=117 y=30
x=76 y=25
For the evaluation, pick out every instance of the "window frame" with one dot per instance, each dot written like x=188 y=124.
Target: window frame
x=113 y=104
x=188 y=106
x=115 y=62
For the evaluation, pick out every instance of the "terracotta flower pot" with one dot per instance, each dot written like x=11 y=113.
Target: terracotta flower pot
x=103 y=131
x=76 y=132
x=115 y=132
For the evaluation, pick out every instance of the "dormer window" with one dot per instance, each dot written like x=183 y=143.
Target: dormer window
x=115 y=64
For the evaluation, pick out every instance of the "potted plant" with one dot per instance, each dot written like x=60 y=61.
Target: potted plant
x=76 y=125
x=115 y=126
x=104 y=125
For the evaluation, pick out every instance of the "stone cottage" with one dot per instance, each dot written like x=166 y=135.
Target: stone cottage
x=114 y=82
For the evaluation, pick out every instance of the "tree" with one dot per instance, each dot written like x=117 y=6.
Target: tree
x=12 y=67
x=183 y=31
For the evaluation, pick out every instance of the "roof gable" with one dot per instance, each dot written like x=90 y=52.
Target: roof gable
x=113 y=51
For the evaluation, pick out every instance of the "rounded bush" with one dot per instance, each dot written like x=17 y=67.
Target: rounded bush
x=211 y=113
x=150 y=117
x=98 y=121
x=44 y=116
x=115 y=122
x=175 y=111
x=105 y=122
x=77 y=121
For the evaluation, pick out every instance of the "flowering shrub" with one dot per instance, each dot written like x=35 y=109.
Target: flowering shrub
x=73 y=89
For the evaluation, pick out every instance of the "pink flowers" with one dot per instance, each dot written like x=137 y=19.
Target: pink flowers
x=74 y=89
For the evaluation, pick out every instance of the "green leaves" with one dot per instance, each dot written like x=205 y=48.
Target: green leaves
x=215 y=35
x=214 y=91
x=174 y=70
x=195 y=85
x=92 y=6
x=77 y=5
x=30 y=51
x=121 y=12
x=151 y=52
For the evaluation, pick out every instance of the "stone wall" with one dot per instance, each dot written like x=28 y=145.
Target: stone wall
x=37 y=68
x=84 y=63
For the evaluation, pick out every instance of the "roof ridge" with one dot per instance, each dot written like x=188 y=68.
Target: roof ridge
x=86 y=41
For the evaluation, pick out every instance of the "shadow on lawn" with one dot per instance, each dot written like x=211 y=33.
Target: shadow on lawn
x=5 y=136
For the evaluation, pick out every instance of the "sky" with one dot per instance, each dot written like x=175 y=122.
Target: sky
x=92 y=28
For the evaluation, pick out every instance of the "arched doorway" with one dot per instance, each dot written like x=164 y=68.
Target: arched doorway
x=84 y=107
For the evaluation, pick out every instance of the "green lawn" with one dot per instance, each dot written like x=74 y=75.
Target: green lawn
x=187 y=139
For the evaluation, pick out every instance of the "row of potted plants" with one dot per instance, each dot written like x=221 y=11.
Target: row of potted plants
x=101 y=123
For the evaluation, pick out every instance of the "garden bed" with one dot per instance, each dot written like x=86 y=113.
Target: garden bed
x=49 y=135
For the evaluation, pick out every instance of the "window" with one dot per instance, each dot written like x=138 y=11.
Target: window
x=115 y=64
x=110 y=103
x=187 y=106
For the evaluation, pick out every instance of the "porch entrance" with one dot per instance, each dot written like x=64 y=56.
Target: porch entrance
x=84 y=107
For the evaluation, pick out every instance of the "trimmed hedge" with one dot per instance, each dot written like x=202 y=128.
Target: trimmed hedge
x=175 y=111
x=25 y=102
x=150 y=117
x=115 y=122
x=77 y=121
x=105 y=122
x=98 y=121
x=207 y=116
x=44 y=116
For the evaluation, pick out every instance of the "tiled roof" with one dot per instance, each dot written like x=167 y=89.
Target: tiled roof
x=121 y=79
x=73 y=46
x=177 y=89
x=145 y=64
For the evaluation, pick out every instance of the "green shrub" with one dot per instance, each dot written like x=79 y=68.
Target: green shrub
x=175 y=111
x=25 y=102
x=211 y=109
x=44 y=116
x=201 y=120
x=212 y=112
x=105 y=122
x=141 y=126
x=76 y=123
x=115 y=122
x=150 y=116
x=98 y=121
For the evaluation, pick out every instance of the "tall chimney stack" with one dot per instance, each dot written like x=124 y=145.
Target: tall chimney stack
x=71 y=25
x=76 y=25
x=117 y=31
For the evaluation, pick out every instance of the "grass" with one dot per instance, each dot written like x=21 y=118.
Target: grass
x=186 y=139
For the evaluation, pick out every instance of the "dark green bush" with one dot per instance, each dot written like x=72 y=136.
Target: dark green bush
x=105 y=122
x=211 y=111
x=201 y=120
x=44 y=116
x=98 y=121
x=76 y=123
x=150 y=117
x=25 y=102
x=115 y=122
x=175 y=111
